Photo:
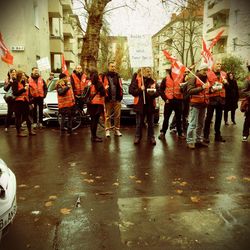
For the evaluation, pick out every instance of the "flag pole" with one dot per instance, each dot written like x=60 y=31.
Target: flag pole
x=194 y=75
x=142 y=81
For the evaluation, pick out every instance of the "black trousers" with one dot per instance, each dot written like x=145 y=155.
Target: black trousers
x=10 y=111
x=66 y=113
x=22 y=114
x=95 y=111
x=246 y=125
x=38 y=104
x=140 y=117
x=218 y=108
x=232 y=115
x=176 y=106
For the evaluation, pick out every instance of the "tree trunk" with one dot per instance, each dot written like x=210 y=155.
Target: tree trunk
x=91 y=40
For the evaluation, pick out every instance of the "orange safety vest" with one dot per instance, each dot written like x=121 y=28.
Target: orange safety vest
x=67 y=100
x=36 y=89
x=136 y=98
x=98 y=99
x=79 y=84
x=24 y=96
x=106 y=83
x=212 y=78
x=201 y=97
x=173 y=89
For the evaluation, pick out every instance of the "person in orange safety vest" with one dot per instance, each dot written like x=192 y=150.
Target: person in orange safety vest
x=66 y=101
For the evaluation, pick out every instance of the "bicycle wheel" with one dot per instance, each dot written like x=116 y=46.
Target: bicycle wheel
x=76 y=121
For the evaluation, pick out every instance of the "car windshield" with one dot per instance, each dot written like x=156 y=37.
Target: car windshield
x=125 y=89
x=52 y=85
x=2 y=91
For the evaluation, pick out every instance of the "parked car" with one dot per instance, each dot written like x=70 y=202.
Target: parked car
x=3 y=104
x=50 y=111
x=7 y=198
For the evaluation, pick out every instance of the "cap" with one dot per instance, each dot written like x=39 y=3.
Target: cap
x=203 y=66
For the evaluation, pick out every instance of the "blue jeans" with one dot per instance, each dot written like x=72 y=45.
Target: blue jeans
x=196 y=123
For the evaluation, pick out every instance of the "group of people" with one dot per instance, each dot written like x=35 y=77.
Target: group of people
x=193 y=98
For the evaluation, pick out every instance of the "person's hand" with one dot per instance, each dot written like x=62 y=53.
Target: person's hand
x=26 y=86
x=205 y=85
x=107 y=86
x=142 y=87
x=224 y=81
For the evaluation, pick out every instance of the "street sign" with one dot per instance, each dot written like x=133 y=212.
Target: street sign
x=140 y=51
x=43 y=64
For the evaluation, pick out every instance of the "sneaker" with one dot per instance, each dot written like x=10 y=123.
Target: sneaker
x=40 y=125
x=219 y=139
x=233 y=123
x=22 y=134
x=118 y=133
x=206 y=140
x=161 y=136
x=181 y=136
x=226 y=123
x=32 y=133
x=244 y=138
x=173 y=131
x=107 y=133
x=96 y=139
x=137 y=140
x=6 y=129
x=191 y=145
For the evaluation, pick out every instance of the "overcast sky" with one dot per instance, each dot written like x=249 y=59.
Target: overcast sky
x=144 y=17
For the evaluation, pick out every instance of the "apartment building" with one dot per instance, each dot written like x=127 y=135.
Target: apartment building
x=181 y=36
x=234 y=18
x=34 y=29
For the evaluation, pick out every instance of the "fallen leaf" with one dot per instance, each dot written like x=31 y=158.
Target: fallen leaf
x=48 y=204
x=138 y=181
x=184 y=183
x=73 y=164
x=179 y=191
x=36 y=219
x=22 y=185
x=52 y=197
x=231 y=178
x=22 y=198
x=84 y=173
x=89 y=180
x=37 y=186
x=65 y=211
x=115 y=184
x=195 y=199
x=90 y=174
x=211 y=177
x=146 y=173
x=246 y=178
x=175 y=182
x=35 y=212
x=132 y=177
x=98 y=177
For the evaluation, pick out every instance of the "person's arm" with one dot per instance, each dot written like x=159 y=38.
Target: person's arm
x=100 y=88
x=162 y=90
x=15 y=90
x=61 y=90
x=134 y=89
x=191 y=87
x=7 y=85
x=45 y=88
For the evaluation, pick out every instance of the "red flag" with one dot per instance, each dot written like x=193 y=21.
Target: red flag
x=207 y=55
x=5 y=53
x=64 y=66
x=178 y=69
x=216 y=39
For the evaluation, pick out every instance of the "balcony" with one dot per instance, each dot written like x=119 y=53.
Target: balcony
x=211 y=34
x=55 y=8
x=222 y=6
x=68 y=30
x=68 y=47
x=67 y=5
x=56 y=45
x=69 y=56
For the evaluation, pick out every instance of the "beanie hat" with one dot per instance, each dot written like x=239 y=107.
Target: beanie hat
x=203 y=66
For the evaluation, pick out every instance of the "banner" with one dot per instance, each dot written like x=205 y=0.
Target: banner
x=43 y=64
x=140 y=51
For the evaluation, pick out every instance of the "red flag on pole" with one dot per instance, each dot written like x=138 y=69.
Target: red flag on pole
x=4 y=52
x=207 y=55
x=64 y=66
x=216 y=39
x=178 y=69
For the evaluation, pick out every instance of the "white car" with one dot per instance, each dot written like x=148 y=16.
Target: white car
x=3 y=104
x=7 y=197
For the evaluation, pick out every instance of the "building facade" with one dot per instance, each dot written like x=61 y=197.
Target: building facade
x=234 y=18
x=35 y=29
x=181 y=37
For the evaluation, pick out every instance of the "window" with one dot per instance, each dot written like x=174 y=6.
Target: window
x=235 y=40
x=36 y=15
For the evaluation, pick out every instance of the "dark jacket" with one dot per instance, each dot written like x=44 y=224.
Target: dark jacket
x=246 y=92
x=135 y=91
x=232 y=95
x=15 y=90
x=116 y=78
x=192 y=89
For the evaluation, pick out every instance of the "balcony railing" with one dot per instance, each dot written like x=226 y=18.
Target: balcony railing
x=55 y=8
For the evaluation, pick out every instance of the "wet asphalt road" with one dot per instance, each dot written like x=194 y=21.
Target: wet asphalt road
x=129 y=197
